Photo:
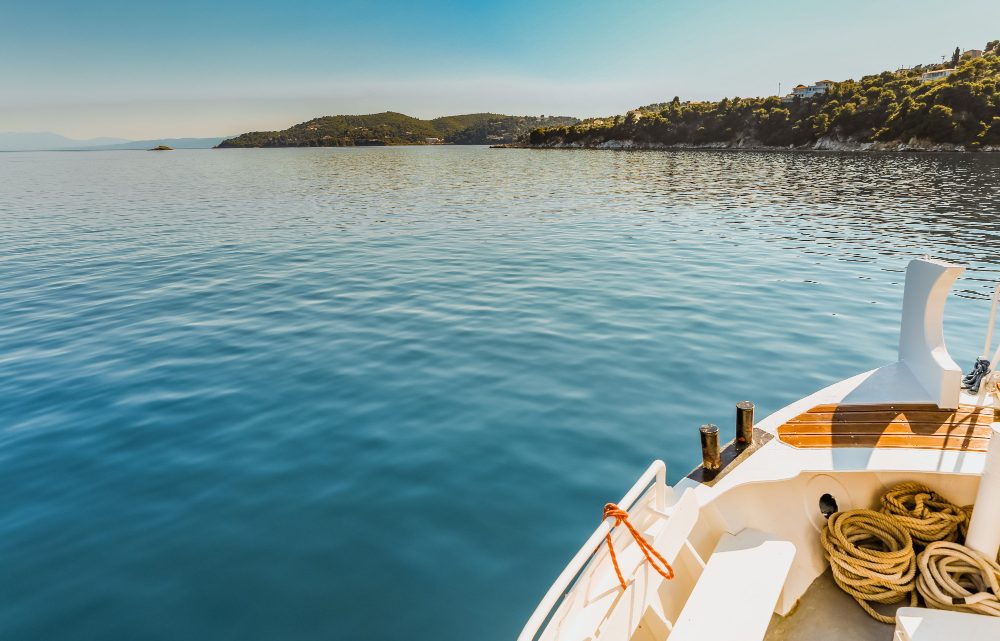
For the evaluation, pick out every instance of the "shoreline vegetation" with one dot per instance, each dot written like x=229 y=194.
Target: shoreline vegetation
x=936 y=107
x=392 y=128
x=890 y=111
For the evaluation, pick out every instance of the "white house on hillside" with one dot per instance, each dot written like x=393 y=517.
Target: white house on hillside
x=935 y=74
x=808 y=91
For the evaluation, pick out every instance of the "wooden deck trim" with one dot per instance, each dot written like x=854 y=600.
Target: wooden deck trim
x=898 y=429
x=919 y=426
x=917 y=417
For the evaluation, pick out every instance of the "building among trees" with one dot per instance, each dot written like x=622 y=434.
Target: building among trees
x=808 y=91
x=934 y=74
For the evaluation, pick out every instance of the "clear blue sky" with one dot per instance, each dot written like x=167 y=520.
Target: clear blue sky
x=140 y=69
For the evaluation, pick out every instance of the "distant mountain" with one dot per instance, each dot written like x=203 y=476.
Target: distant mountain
x=392 y=128
x=176 y=143
x=46 y=140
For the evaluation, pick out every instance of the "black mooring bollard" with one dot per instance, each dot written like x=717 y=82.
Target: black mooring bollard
x=710 y=457
x=744 y=424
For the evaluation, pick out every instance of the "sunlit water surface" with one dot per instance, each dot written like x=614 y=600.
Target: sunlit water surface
x=383 y=394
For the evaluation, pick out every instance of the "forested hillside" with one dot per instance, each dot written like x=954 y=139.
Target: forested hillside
x=391 y=128
x=891 y=108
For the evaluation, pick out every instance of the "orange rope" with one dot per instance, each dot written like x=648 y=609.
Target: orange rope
x=621 y=516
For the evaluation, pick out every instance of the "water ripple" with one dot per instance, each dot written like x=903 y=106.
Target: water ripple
x=383 y=393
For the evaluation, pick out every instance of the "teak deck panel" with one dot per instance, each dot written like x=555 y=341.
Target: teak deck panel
x=920 y=426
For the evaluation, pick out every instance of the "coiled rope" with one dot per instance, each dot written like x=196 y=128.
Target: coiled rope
x=954 y=577
x=927 y=515
x=873 y=554
x=872 y=559
x=621 y=517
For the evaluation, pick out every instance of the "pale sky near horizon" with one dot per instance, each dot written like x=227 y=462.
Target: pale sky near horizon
x=184 y=68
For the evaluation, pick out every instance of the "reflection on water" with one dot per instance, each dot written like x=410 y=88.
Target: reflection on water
x=384 y=393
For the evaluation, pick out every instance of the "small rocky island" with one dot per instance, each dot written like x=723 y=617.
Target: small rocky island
x=162 y=148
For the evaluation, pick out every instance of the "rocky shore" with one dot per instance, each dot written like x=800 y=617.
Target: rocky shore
x=823 y=144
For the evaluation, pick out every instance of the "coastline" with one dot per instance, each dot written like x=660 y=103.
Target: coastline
x=823 y=144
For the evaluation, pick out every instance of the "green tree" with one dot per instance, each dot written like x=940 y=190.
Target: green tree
x=940 y=124
x=992 y=134
x=963 y=108
x=955 y=57
x=820 y=124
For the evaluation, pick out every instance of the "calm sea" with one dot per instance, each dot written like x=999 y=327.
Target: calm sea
x=384 y=394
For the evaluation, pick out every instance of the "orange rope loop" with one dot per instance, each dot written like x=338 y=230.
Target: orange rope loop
x=621 y=516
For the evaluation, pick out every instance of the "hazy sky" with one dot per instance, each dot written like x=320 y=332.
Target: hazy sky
x=142 y=69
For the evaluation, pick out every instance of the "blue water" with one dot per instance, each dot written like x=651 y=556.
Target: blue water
x=384 y=393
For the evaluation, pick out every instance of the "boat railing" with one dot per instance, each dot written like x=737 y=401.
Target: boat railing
x=655 y=474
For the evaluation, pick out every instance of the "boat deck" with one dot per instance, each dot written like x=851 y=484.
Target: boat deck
x=826 y=613
x=898 y=425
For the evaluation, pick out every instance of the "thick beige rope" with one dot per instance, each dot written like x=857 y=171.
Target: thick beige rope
x=927 y=515
x=954 y=577
x=872 y=559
